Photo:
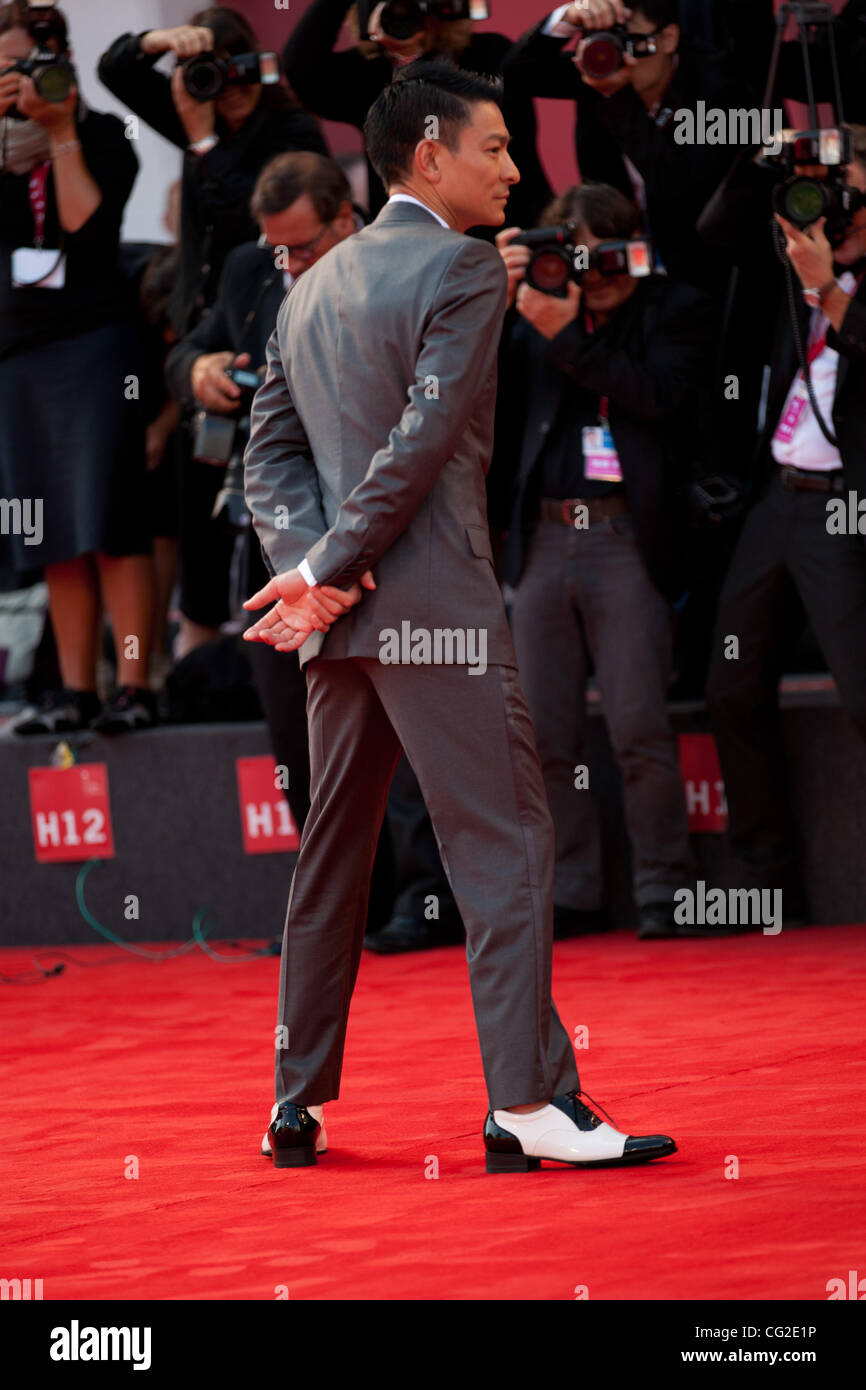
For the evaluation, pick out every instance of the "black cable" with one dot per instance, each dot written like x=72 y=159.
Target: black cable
x=802 y=356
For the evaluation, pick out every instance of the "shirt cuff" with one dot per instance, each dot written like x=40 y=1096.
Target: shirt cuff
x=305 y=570
x=557 y=27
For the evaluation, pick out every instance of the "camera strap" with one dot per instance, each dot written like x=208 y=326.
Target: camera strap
x=37 y=192
x=26 y=260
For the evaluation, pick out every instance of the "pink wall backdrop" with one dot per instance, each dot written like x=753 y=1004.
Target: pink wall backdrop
x=511 y=17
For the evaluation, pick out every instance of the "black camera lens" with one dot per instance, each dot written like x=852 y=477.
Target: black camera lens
x=402 y=18
x=550 y=270
x=204 y=77
x=603 y=54
x=801 y=200
x=53 y=81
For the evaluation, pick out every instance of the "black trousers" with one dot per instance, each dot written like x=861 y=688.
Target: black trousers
x=786 y=568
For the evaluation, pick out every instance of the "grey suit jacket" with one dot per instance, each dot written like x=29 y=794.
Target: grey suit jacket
x=373 y=430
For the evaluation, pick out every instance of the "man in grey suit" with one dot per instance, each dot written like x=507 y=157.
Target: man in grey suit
x=371 y=438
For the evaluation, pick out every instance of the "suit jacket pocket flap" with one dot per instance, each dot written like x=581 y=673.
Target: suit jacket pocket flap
x=479 y=539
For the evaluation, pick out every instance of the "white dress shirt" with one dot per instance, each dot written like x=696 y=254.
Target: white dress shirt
x=805 y=446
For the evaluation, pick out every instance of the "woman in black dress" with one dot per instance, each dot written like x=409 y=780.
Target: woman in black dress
x=72 y=463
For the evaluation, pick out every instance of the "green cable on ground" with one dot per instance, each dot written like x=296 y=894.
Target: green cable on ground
x=197 y=938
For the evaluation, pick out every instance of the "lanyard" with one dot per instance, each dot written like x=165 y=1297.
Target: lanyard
x=36 y=191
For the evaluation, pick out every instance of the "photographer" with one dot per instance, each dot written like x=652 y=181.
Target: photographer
x=72 y=431
x=625 y=119
x=601 y=392
x=343 y=86
x=302 y=203
x=226 y=141
x=790 y=560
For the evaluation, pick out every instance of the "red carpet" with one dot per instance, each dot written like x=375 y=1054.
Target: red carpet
x=750 y=1047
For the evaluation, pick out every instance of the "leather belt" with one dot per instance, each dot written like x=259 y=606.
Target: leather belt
x=806 y=480
x=554 y=509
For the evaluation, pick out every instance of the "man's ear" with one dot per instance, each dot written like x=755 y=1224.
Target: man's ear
x=669 y=39
x=427 y=160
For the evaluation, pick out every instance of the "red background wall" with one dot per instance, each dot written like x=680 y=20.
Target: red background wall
x=511 y=17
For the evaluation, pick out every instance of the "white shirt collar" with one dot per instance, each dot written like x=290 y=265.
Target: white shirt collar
x=407 y=198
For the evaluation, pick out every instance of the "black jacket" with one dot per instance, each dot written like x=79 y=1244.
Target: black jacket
x=216 y=187
x=652 y=360
x=249 y=284
x=94 y=293
x=679 y=179
x=343 y=86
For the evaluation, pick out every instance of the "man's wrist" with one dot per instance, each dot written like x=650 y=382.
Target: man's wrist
x=304 y=569
x=557 y=26
x=203 y=144
x=817 y=294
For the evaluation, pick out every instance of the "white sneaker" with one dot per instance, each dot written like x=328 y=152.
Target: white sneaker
x=565 y=1131
x=318 y=1113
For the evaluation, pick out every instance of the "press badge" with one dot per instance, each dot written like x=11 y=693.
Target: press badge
x=600 y=459
x=787 y=426
x=31 y=263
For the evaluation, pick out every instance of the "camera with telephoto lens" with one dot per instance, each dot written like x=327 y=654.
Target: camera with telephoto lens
x=605 y=49
x=205 y=76
x=557 y=259
x=401 y=19
x=804 y=198
x=52 y=73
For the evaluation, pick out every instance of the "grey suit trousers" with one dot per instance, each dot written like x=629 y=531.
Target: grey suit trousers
x=470 y=742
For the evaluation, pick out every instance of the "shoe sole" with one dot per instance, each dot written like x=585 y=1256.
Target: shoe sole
x=294 y=1158
x=524 y=1163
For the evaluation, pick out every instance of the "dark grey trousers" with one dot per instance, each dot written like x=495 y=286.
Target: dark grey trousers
x=470 y=741
x=588 y=592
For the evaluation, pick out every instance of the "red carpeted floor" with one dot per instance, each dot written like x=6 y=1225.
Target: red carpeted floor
x=750 y=1047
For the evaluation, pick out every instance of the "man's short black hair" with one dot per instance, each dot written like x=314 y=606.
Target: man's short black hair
x=400 y=115
x=659 y=12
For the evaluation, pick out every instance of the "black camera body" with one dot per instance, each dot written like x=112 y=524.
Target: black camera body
x=805 y=198
x=52 y=73
x=605 y=49
x=557 y=258
x=205 y=76
x=403 y=18
x=215 y=436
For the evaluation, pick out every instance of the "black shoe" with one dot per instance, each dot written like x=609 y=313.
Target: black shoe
x=411 y=934
x=128 y=707
x=292 y=1136
x=58 y=712
x=579 y=921
x=656 y=920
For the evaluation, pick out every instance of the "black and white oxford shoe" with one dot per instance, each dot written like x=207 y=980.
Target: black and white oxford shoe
x=565 y=1131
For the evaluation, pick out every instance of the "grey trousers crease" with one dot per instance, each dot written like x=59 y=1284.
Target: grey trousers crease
x=470 y=742
x=589 y=592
